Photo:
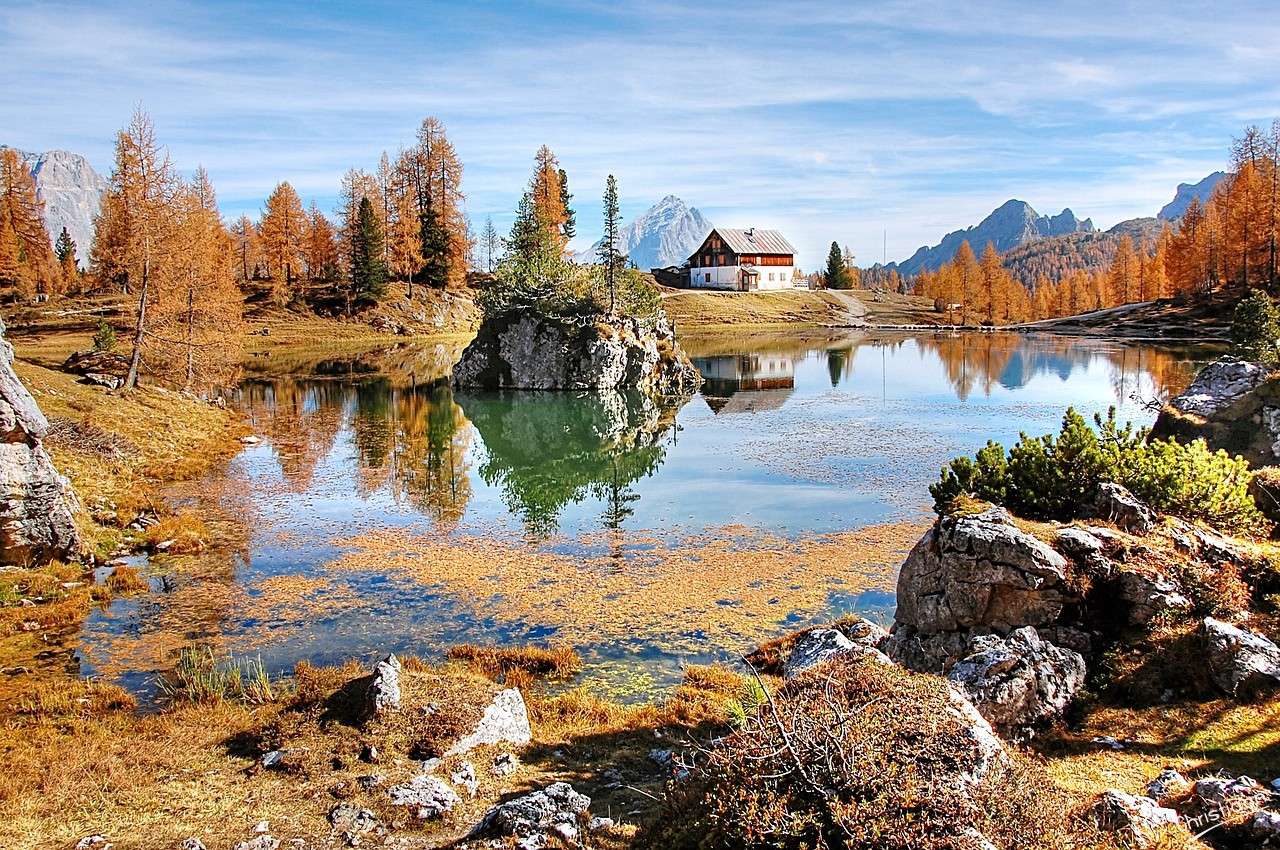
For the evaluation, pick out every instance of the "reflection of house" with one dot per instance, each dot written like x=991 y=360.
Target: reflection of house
x=742 y=260
x=748 y=383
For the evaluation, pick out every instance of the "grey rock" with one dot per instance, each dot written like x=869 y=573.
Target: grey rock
x=428 y=796
x=520 y=350
x=1114 y=503
x=1220 y=793
x=1242 y=663
x=465 y=776
x=505 y=721
x=1168 y=783
x=384 y=688
x=505 y=764
x=193 y=843
x=94 y=842
x=534 y=813
x=1219 y=385
x=597 y=824
x=1019 y=683
x=1266 y=825
x=370 y=781
x=1149 y=595
x=817 y=646
x=1136 y=820
x=261 y=842
x=1085 y=548
x=37 y=505
x=985 y=751
x=351 y=821
x=980 y=571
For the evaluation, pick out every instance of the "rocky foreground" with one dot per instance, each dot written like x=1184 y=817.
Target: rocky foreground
x=522 y=350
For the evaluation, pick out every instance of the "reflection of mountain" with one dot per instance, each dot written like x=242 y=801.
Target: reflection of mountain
x=548 y=450
x=983 y=361
x=746 y=383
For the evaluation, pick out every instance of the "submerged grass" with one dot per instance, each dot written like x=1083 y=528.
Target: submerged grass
x=201 y=676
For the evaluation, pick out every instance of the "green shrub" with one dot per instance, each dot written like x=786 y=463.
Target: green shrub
x=1255 y=328
x=1052 y=477
x=550 y=285
x=105 y=338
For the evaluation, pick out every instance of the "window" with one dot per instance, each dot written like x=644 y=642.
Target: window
x=708 y=277
x=770 y=275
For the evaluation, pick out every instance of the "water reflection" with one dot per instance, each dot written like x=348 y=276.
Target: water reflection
x=746 y=383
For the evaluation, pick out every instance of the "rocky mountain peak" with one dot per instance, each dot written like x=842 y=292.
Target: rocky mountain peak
x=1186 y=192
x=72 y=193
x=663 y=235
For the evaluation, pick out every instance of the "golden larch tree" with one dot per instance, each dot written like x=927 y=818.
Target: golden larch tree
x=282 y=232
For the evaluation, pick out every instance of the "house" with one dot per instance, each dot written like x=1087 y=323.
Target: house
x=742 y=260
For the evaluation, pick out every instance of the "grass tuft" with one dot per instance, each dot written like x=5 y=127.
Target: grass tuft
x=125 y=580
x=186 y=531
x=200 y=676
x=516 y=665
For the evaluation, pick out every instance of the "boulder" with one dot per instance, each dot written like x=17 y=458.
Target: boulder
x=110 y=368
x=816 y=646
x=1086 y=549
x=505 y=720
x=37 y=505
x=536 y=813
x=523 y=350
x=1138 y=821
x=1018 y=683
x=1242 y=663
x=1219 y=385
x=986 y=752
x=1114 y=503
x=1230 y=795
x=1168 y=783
x=351 y=822
x=1265 y=826
x=1232 y=404
x=1149 y=594
x=980 y=571
x=428 y=796
x=383 y=694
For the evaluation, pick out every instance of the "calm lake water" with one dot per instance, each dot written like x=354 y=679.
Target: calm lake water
x=490 y=499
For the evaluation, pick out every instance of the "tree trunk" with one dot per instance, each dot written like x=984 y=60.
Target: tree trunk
x=139 y=329
x=191 y=370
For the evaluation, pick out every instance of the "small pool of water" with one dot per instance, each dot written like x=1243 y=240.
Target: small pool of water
x=384 y=511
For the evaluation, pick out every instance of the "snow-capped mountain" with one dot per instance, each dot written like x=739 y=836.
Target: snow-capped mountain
x=72 y=193
x=665 y=235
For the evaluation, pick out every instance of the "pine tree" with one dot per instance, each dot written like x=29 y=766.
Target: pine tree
x=836 y=276
x=610 y=258
x=569 y=228
x=490 y=245
x=433 y=173
x=65 y=251
x=368 y=274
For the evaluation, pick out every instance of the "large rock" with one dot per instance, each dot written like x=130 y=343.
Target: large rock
x=505 y=720
x=536 y=813
x=428 y=797
x=1242 y=663
x=37 y=505
x=383 y=694
x=522 y=350
x=1149 y=594
x=1018 y=683
x=1114 y=503
x=980 y=571
x=1233 y=405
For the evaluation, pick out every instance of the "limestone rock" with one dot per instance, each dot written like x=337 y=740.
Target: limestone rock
x=1242 y=663
x=1137 y=820
x=986 y=751
x=536 y=813
x=1220 y=793
x=1150 y=594
x=505 y=720
x=817 y=646
x=1266 y=826
x=1113 y=502
x=352 y=822
x=521 y=350
x=384 y=689
x=1085 y=548
x=261 y=842
x=1233 y=405
x=1020 y=682
x=1168 y=783
x=1220 y=384
x=980 y=571
x=37 y=505
x=428 y=796
x=465 y=776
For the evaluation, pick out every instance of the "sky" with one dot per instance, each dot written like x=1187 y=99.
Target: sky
x=882 y=125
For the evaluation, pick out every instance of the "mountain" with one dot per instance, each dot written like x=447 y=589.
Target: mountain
x=1012 y=224
x=72 y=193
x=1201 y=191
x=665 y=235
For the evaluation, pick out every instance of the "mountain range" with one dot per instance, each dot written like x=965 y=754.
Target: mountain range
x=1032 y=245
x=663 y=235
x=72 y=193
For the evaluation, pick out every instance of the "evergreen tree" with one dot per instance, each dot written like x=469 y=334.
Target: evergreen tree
x=65 y=251
x=490 y=243
x=368 y=272
x=837 y=275
x=435 y=247
x=610 y=258
x=522 y=244
x=569 y=228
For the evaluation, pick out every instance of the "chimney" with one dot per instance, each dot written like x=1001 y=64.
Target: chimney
x=751 y=232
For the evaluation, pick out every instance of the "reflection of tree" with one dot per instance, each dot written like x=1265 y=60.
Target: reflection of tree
x=302 y=419
x=548 y=450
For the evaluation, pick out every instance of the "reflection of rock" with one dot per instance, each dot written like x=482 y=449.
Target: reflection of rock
x=520 y=350
x=37 y=504
x=548 y=450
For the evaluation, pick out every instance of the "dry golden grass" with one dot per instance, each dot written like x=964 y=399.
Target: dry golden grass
x=125 y=580
x=501 y=662
x=185 y=532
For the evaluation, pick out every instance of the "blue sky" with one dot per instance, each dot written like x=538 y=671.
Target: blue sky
x=825 y=120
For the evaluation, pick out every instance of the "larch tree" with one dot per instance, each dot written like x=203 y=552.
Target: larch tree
x=24 y=215
x=433 y=172
x=968 y=277
x=282 y=233
x=141 y=198
x=404 y=240
x=611 y=258
x=245 y=238
x=548 y=196
x=321 y=247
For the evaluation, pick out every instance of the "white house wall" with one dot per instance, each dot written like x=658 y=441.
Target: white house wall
x=726 y=277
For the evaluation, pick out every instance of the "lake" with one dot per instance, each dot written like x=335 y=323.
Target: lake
x=384 y=511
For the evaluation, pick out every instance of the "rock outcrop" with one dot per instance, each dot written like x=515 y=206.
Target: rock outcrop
x=1018 y=683
x=1233 y=405
x=522 y=350
x=1242 y=664
x=1138 y=821
x=37 y=505
x=554 y=810
x=817 y=646
x=505 y=720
